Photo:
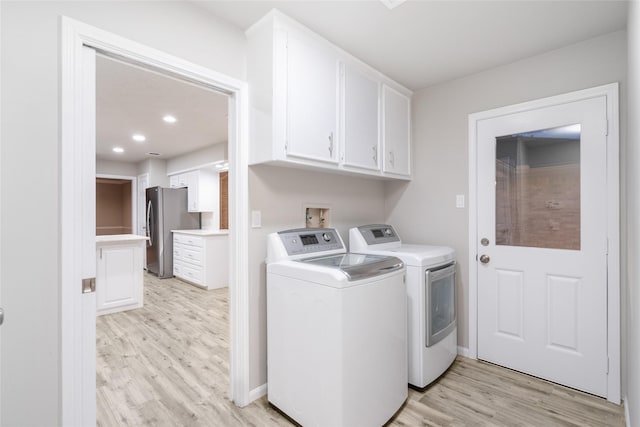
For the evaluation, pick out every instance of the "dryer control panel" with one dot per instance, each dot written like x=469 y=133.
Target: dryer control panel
x=375 y=234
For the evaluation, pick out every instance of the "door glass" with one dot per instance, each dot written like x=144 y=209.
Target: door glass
x=442 y=304
x=538 y=188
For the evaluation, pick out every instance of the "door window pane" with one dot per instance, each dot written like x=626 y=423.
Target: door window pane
x=538 y=188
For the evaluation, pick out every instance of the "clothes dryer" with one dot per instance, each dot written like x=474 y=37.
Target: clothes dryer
x=431 y=302
x=336 y=331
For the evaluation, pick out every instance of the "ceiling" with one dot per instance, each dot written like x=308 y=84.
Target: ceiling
x=422 y=43
x=132 y=100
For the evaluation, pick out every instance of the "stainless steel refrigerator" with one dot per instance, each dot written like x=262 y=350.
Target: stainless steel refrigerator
x=166 y=211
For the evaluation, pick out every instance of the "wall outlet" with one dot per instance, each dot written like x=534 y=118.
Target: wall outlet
x=459 y=200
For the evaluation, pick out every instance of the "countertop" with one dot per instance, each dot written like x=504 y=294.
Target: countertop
x=202 y=232
x=111 y=238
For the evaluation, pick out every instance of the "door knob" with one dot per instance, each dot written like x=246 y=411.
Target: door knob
x=484 y=259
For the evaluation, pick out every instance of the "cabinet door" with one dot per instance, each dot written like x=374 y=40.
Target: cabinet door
x=395 y=131
x=178 y=181
x=312 y=76
x=193 y=191
x=360 y=119
x=117 y=277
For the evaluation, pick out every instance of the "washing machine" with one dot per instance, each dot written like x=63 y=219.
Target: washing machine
x=431 y=298
x=336 y=330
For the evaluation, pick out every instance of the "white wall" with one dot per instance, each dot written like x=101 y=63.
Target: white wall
x=108 y=167
x=424 y=209
x=197 y=158
x=631 y=275
x=157 y=170
x=30 y=61
x=280 y=194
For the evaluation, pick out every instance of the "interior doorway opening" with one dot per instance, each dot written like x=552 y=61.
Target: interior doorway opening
x=77 y=242
x=173 y=134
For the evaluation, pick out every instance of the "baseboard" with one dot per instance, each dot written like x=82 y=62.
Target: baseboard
x=626 y=412
x=257 y=392
x=463 y=351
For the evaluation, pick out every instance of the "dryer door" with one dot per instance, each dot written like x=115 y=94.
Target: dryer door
x=440 y=296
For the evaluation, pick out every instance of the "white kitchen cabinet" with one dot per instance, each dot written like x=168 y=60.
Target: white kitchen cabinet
x=203 y=192
x=119 y=273
x=312 y=105
x=396 y=124
x=360 y=118
x=179 y=180
x=201 y=257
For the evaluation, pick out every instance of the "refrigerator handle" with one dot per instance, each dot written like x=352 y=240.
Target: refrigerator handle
x=149 y=223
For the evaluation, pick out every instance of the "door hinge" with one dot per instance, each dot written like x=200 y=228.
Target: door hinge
x=606 y=127
x=607 y=364
x=88 y=285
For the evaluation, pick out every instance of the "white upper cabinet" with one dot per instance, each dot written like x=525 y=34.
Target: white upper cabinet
x=360 y=119
x=313 y=105
x=396 y=125
x=202 y=189
x=178 y=181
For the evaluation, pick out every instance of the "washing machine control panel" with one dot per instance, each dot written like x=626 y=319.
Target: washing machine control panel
x=375 y=234
x=310 y=240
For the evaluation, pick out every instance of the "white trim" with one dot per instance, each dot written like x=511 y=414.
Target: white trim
x=74 y=35
x=627 y=417
x=197 y=167
x=134 y=197
x=613 y=219
x=258 y=392
x=464 y=352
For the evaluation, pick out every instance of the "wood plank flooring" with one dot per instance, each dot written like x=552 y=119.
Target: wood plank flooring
x=167 y=365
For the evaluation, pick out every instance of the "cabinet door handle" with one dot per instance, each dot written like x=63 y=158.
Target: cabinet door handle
x=375 y=153
x=392 y=159
x=331 y=144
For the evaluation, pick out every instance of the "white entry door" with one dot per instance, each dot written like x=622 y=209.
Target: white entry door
x=542 y=242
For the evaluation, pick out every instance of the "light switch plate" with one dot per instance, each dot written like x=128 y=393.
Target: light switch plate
x=256 y=219
x=459 y=200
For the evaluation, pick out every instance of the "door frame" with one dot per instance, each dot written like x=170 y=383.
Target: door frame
x=75 y=35
x=610 y=91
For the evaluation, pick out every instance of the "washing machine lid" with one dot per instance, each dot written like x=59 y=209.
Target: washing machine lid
x=357 y=266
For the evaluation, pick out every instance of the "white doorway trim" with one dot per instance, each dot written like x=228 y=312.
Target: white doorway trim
x=613 y=221
x=134 y=197
x=75 y=35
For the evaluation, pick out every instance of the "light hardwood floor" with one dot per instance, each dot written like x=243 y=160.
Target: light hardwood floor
x=167 y=365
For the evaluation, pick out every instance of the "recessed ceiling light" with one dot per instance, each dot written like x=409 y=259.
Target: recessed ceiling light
x=118 y=150
x=169 y=119
x=139 y=137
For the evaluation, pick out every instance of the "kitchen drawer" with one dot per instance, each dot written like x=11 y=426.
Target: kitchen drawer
x=192 y=255
x=178 y=252
x=188 y=272
x=186 y=239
